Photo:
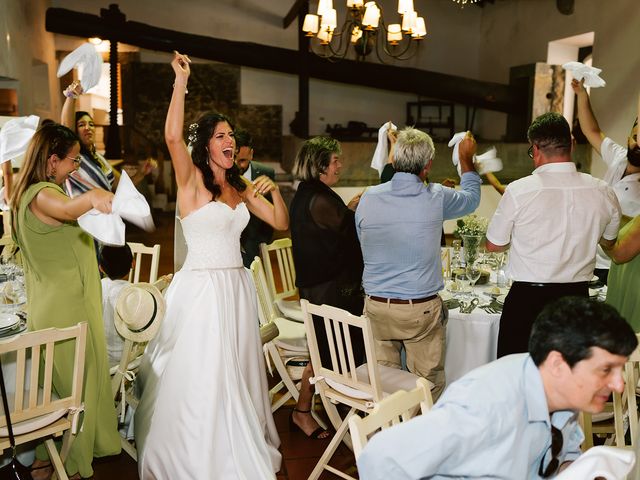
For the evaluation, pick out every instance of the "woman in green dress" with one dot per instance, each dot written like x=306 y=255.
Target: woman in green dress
x=63 y=286
x=624 y=274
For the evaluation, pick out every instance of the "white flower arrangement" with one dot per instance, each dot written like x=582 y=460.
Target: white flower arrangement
x=471 y=225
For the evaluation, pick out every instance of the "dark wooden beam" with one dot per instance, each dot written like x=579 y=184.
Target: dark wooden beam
x=294 y=12
x=488 y=95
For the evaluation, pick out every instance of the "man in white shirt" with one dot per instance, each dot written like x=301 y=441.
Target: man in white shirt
x=623 y=165
x=552 y=222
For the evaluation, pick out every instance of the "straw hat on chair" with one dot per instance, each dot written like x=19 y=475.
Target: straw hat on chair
x=139 y=310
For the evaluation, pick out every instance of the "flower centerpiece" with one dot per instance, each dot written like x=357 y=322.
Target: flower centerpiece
x=471 y=229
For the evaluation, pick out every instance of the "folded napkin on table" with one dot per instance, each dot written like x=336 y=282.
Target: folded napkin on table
x=488 y=162
x=591 y=75
x=128 y=204
x=89 y=59
x=381 y=154
x=15 y=136
x=610 y=463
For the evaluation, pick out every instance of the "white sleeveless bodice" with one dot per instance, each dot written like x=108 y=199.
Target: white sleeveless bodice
x=212 y=234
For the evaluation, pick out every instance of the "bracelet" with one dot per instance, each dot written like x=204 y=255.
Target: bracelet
x=186 y=90
x=69 y=93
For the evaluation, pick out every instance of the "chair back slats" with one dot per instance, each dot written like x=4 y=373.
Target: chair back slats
x=266 y=310
x=399 y=407
x=27 y=348
x=34 y=380
x=48 y=372
x=138 y=250
x=281 y=250
x=20 y=374
x=342 y=368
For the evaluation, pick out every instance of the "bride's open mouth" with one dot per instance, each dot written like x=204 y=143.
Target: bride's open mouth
x=228 y=152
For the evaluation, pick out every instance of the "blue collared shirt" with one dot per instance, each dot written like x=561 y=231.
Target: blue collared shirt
x=399 y=224
x=492 y=423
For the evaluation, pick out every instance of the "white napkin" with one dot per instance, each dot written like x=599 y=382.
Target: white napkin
x=608 y=462
x=488 y=162
x=591 y=75
x=381 y=154
x=91 y=61
x=128 y=204
x=15 y=136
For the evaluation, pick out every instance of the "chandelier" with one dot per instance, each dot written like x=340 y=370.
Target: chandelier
x=366 y=30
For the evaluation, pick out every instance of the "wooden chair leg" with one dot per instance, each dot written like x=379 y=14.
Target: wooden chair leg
x=56 y=461
x=130 y=449
x=341 y=431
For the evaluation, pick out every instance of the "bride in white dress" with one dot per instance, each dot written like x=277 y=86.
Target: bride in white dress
x=205 y=411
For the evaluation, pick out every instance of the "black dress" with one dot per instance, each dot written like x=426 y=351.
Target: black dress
x=327 y=256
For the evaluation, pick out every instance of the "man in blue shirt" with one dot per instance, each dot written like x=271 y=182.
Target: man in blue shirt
x=515 y=418
x=399 y=225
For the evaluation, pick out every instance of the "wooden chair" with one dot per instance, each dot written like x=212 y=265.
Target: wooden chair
x=360 y=388
x=36 y=412
x=138 y=250
x=624 y=408
x=284 y=287
x=123 y=375
x=398 y=407
x=291 y=341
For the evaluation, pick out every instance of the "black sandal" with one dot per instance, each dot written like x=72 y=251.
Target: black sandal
x=316 y=434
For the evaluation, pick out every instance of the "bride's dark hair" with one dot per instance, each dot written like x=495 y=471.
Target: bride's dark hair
x=199 y=135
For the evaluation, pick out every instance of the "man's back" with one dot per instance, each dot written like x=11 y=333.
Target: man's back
x=554 y=219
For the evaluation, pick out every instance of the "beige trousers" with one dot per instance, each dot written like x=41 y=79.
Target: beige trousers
x=419 y=328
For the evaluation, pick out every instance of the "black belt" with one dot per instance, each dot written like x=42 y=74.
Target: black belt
x=403 y=301
x=551 y=285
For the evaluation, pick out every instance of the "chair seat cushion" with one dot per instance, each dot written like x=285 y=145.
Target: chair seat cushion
x=292 y=335
x=291 y=309
x=32 y=424
x=391 y=380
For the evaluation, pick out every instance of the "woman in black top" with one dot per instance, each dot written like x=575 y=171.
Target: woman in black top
x=326 y=253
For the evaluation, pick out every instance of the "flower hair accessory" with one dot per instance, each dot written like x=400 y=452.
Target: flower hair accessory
x=193 y=133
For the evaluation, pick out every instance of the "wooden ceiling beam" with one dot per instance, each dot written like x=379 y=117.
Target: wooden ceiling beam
x=112 y=26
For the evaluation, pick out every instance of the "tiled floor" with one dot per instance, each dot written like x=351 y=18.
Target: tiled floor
x=300 y=454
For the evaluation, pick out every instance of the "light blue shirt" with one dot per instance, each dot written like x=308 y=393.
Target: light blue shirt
x=493 y=423
x=399 y=224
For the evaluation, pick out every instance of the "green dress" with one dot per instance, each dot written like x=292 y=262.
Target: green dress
x=622 y=292
x=63 y=289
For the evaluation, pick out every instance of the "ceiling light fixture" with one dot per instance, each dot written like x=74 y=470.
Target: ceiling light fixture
x=365 y=29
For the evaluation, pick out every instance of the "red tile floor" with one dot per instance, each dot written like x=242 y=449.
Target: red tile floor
x=300 y=454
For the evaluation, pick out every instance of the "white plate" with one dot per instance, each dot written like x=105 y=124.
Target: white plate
x=500 y=299
x=8 y=320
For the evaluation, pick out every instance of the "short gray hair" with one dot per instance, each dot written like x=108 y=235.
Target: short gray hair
x=413 y=150
x=314 y=157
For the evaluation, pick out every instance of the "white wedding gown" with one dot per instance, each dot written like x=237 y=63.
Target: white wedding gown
x=204 y=412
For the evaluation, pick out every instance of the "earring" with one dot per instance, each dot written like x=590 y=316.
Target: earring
x=51 y=176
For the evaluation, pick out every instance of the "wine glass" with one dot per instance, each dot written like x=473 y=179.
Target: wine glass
x=463 y=281
x=473 y=273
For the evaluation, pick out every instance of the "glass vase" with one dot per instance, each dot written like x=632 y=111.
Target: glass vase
x=471 y=245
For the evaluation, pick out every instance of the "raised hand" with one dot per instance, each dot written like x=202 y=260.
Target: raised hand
x=101 y=200
x=578 y=86
x=263 y=185
x=180 y=65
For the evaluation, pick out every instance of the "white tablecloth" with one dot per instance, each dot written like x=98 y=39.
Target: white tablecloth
x=472 y=338
x=472 y=341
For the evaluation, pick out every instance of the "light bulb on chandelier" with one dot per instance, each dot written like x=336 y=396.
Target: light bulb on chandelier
x=365 y=28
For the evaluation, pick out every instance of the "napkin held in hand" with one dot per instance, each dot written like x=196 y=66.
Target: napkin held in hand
x=128 y=204
x=488 y=162
x=381 y=155
x=91 y=61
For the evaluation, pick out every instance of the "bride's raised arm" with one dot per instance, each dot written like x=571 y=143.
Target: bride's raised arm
x=275 y=214
x=174 y=125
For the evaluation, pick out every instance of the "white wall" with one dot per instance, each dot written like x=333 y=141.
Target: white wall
x=27 y=55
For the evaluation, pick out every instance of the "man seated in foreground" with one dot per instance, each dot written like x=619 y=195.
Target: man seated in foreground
x=515 y=418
